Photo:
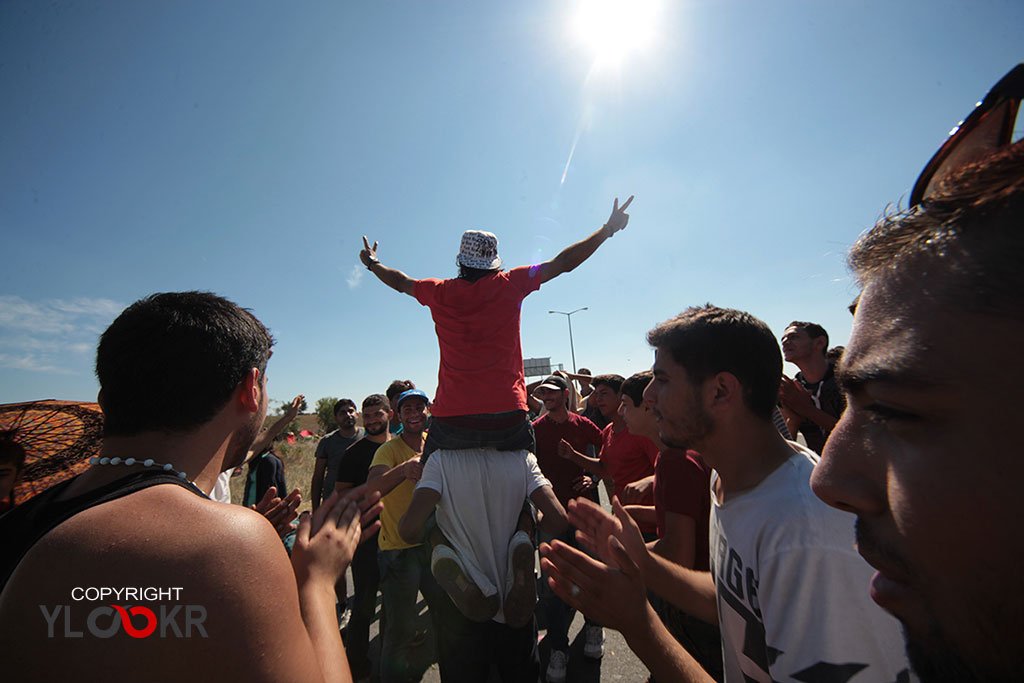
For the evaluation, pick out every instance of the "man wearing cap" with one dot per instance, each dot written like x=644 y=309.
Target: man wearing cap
x=480 y=408
x=556 y=425
x=404 y=566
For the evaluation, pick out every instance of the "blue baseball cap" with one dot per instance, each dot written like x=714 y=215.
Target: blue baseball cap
x=412 y=393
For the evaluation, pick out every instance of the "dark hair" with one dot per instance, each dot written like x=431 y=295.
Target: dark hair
x=375 y=401
x=344 y=403
x=613 y=382
x=706 y=340
x=584 y=371
x=813 y=330
x=399 y=386
x=634 y=386
x=170 y=361
x=963 y=244
x=474 y=274
x=835 y=354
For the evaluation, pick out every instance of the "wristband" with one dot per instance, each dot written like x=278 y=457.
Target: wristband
x=373 y=262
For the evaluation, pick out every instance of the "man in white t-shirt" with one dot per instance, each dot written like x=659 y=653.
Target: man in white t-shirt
x=786 y=585
x=478 y=495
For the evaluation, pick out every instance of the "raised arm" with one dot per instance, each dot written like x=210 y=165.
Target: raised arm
x=395 y=279
x=574 y=255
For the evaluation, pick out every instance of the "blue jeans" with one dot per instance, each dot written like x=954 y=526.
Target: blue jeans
x=402 y=574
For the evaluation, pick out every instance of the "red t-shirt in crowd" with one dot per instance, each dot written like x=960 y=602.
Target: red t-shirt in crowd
x=628 y=457
x=477 y=326
x=561 y=472
x=682 y=485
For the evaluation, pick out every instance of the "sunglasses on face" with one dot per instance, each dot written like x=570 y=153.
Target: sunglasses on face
x=986 y=129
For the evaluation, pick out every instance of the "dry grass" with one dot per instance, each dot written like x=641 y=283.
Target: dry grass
x=299 y=462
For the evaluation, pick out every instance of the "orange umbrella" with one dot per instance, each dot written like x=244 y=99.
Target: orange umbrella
x=59 y=437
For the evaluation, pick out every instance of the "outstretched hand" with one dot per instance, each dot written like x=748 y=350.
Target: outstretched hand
x=613 y=597
x=619 y=218
x=368 y=254
x=327 y=539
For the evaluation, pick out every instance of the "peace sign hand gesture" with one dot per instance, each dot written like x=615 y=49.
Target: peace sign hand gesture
x=619 y=218
x=368 y=255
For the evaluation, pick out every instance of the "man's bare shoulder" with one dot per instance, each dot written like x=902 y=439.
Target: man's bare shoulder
x=223 y=560
x=162 y=533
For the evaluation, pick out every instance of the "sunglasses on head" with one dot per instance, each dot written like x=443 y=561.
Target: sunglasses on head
x=986 y=129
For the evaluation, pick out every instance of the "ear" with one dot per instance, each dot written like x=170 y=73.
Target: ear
x=722 y=390
x=819 y=345
x=249 y=390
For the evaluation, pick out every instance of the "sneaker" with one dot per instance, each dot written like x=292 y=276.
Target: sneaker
x=521 y=599
x=447 y=568
x=594 y=645
x=557 y=666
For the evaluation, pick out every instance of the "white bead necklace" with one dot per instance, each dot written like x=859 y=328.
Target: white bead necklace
x=148 y=462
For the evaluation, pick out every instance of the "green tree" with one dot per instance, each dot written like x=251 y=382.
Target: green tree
x=325 y=413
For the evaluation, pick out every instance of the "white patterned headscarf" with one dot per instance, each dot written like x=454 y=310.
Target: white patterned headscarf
x=479 y=249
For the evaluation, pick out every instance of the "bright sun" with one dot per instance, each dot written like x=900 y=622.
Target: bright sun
x=612 y=29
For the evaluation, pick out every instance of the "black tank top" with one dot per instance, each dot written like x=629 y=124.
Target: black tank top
x=22 y=527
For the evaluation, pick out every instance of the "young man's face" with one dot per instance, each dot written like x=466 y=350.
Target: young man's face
x=927 y=457
x=677 y=404
x=639 y=419
x=797 y=344
x=413 y=415
x=552 y=399
x=605 y=400
x=346 y=417
x=375 y=420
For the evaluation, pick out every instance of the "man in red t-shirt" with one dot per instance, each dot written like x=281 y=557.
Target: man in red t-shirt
x=560 y=424
x=627 y=459
x=481 y=388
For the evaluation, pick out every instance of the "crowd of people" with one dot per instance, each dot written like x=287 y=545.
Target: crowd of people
x=761 y=528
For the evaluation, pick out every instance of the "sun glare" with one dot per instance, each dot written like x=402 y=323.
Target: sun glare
x=613 y=29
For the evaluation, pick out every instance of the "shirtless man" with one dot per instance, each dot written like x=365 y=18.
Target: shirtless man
x=195 y=587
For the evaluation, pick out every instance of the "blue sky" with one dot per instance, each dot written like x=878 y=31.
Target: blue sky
x=245 y=147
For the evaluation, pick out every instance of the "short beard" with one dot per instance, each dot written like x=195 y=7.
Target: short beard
x=700 y=427
x=936 y=662
x=380 y=430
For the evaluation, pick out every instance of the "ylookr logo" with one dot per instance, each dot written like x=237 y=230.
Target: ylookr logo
x=138 y=621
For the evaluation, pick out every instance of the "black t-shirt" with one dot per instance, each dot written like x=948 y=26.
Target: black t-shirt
x=829 y=398
x=355 y=464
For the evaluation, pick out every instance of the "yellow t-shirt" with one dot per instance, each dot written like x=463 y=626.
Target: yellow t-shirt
x=390 y=454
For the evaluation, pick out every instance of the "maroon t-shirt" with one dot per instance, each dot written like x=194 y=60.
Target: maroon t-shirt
x=628 y=457
x=580 y=433
x=682 y=485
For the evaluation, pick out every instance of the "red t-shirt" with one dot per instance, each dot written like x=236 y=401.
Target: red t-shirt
x=628 y=457
x=580 y=433
x=682 y=485
x=477 y=326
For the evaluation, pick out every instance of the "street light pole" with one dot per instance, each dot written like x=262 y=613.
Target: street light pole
x=572 y=350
